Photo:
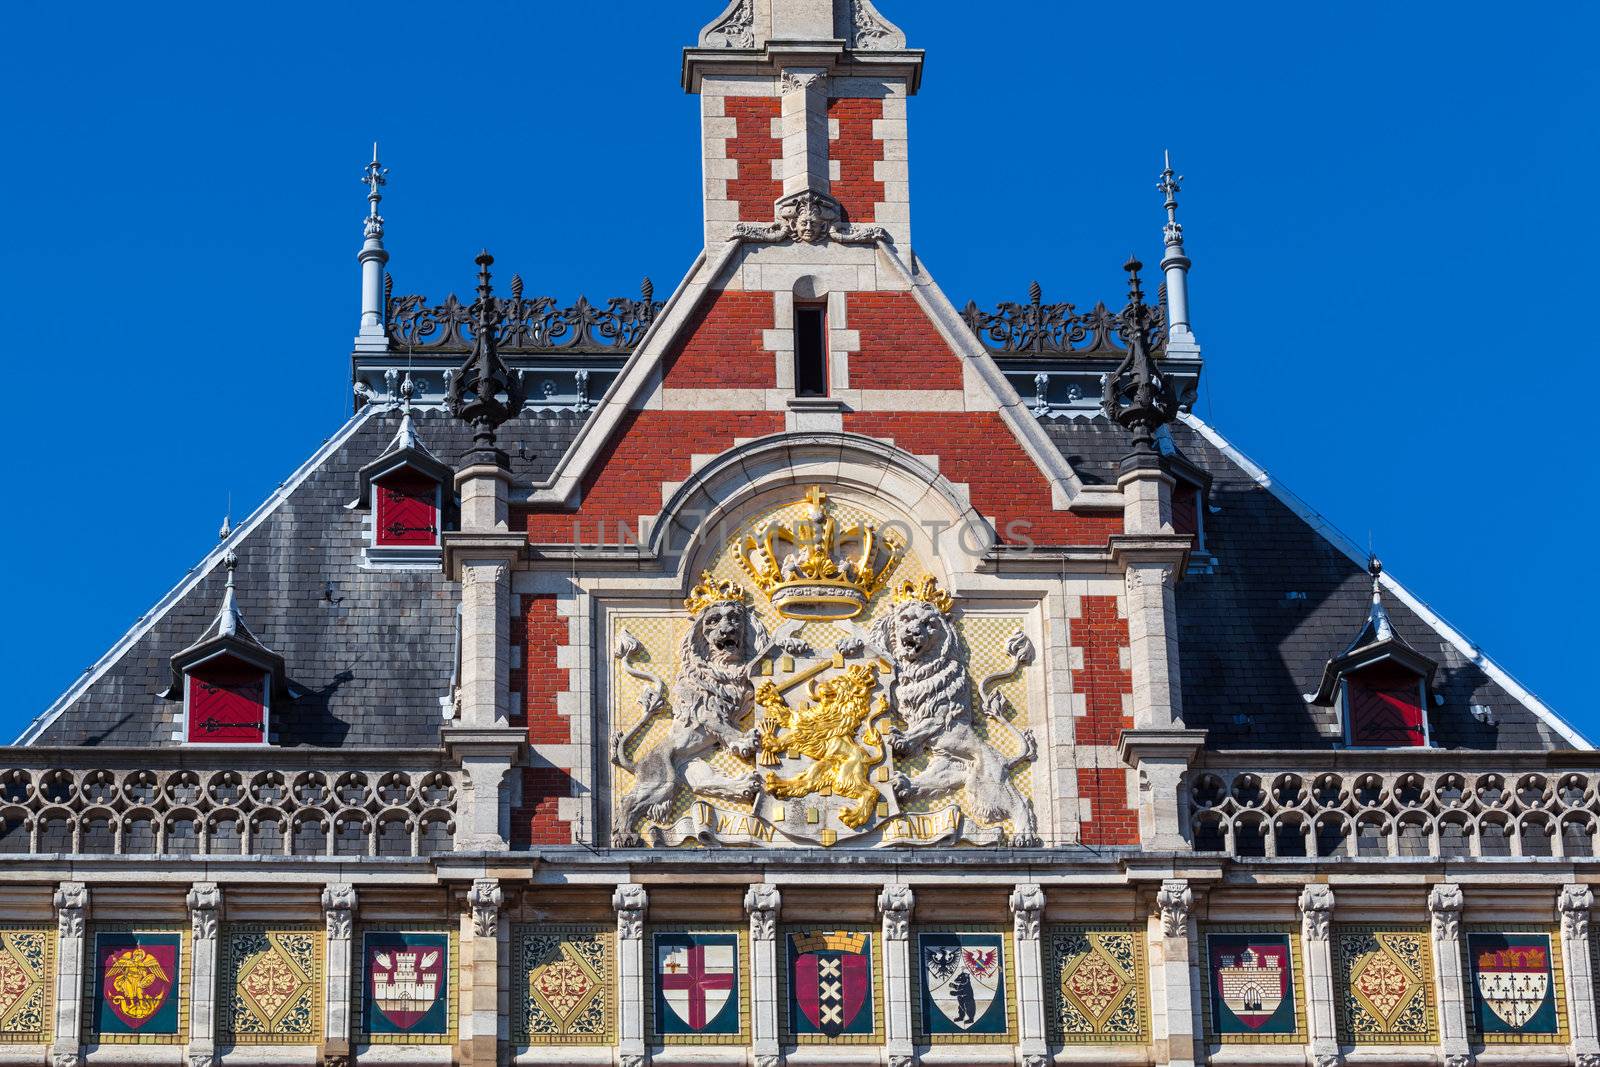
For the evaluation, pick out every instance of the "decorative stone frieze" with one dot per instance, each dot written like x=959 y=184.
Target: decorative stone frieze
x=1174 y=900
x=485 y=898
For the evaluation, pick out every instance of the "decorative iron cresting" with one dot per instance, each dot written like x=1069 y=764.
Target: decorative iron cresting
x=528 y=325
x=1040 y=329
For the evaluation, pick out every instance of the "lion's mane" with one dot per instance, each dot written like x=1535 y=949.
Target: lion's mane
x=710 y=685
x=932 y=679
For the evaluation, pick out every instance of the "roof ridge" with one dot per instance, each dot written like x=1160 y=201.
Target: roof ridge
x=1358 y=555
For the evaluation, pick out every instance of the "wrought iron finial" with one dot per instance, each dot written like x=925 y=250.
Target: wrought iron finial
x=1035 y=293
x=226 y=530
x=388 y=287
x=647 y=290
x=373 y=179
x=228 y=619
x=486 y=393
x=516 y=287
x=1169 y=187
x=1137 y=394
x=1378 y=616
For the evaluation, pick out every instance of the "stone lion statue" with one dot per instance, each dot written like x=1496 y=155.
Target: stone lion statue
x=710 y=697
x=933 y=694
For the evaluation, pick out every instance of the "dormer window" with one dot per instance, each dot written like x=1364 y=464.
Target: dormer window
x=228 y=680
x=1379 y=686
x=404 y=492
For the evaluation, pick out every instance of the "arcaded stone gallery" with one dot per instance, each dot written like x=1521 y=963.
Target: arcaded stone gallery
x=809 y=667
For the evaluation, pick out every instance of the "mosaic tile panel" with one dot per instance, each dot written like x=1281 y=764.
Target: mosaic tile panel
x=27 y=984
x=832 y=986
x=275 y=973
x=563 y=985
x=699 y=985
x=1252 y=991
x=1096 y=984
x=1384 y=985
x=964 y=985
x=406 y=985
x=1517 y=985
x=137 y=985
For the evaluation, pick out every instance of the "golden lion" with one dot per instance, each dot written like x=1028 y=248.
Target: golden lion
x=825 y=731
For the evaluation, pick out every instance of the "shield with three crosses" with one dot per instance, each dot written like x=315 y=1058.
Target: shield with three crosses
x=830 y=982
x=697 y=983
x=1513 y=977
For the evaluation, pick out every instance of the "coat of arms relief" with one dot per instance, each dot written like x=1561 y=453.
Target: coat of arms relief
x=824 y=691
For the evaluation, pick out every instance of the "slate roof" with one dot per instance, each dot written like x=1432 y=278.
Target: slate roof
x=375 y=655
x=372 y=650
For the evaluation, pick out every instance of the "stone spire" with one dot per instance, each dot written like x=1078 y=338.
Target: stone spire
x=1175 y=265
x=372 y=258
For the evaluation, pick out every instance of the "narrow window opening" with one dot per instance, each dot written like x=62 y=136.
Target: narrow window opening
x=810 y=350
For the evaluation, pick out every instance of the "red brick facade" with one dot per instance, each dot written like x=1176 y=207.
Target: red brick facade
x=720 y=347
x=900 y=349
x=978 y=449
x=539 y=631
x=755 y=149
x=856 y=150
x=1100 y=635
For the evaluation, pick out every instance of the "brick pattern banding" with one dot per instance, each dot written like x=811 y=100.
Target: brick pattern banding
x=538 y=821
x=1111 y=821
x=900 y=349
x=978 y=449
x=648 y=448
x=538 y=630
x=755 y=149
x=1100 y=635
x=720 y=346
x=856 y=150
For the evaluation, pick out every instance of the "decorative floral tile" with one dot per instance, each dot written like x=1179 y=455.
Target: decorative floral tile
x=1516 y=985
x=275 y=974
x=407 y=986
x=27 y=984
x=1385 y=985
x=564 y=989
x=1097 y=982
x=1252 y=991
x=965 y=984
x=137 y=985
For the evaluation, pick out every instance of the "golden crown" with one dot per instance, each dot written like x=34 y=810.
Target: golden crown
x=927 y=591
x=711 y=591
x=815 y=570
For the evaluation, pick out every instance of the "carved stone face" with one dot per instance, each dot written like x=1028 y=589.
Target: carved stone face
x=809 y=225
x=723 y=627
x=918 y=631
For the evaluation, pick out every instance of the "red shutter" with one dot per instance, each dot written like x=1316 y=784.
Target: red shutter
x=1185 y=509
x=1385 y=703
x=406 y=515
x=227 y=704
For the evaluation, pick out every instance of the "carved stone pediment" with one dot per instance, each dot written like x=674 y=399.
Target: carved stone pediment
x=809 y=217
x=761 y=720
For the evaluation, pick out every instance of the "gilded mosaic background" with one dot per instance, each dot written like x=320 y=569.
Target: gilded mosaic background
x=1096 y=984
x=929 y=820
x=275 y=975
x=563 y=985
x=1385 y=985
x=27 y=984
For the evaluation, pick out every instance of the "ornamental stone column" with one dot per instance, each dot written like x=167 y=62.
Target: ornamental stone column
x=72 y=912
x=1174 y=1005
x=632 y=903
x=1027 y=922
x=338 y=915
x=479 y=1029
x=1316 y=922
x=764 y=903
x=895 y=904
x=1444 y=907
x=205 y=915
x=1573 y=904
x=484 y=393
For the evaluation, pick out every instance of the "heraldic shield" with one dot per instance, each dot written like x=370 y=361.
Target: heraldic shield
x=830 y=983
x=697 y=983
x=1252 y=983
x=407 y=982
x=963 y=983
x=138 y=987
x=1513 y=983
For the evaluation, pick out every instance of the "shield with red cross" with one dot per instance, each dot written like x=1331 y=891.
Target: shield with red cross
x=697 y=983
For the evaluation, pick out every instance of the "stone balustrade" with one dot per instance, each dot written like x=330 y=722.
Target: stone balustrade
x=295 y=802
x=1385 y=805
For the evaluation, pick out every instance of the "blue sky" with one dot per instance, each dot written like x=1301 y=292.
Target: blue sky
x=1388 y=208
